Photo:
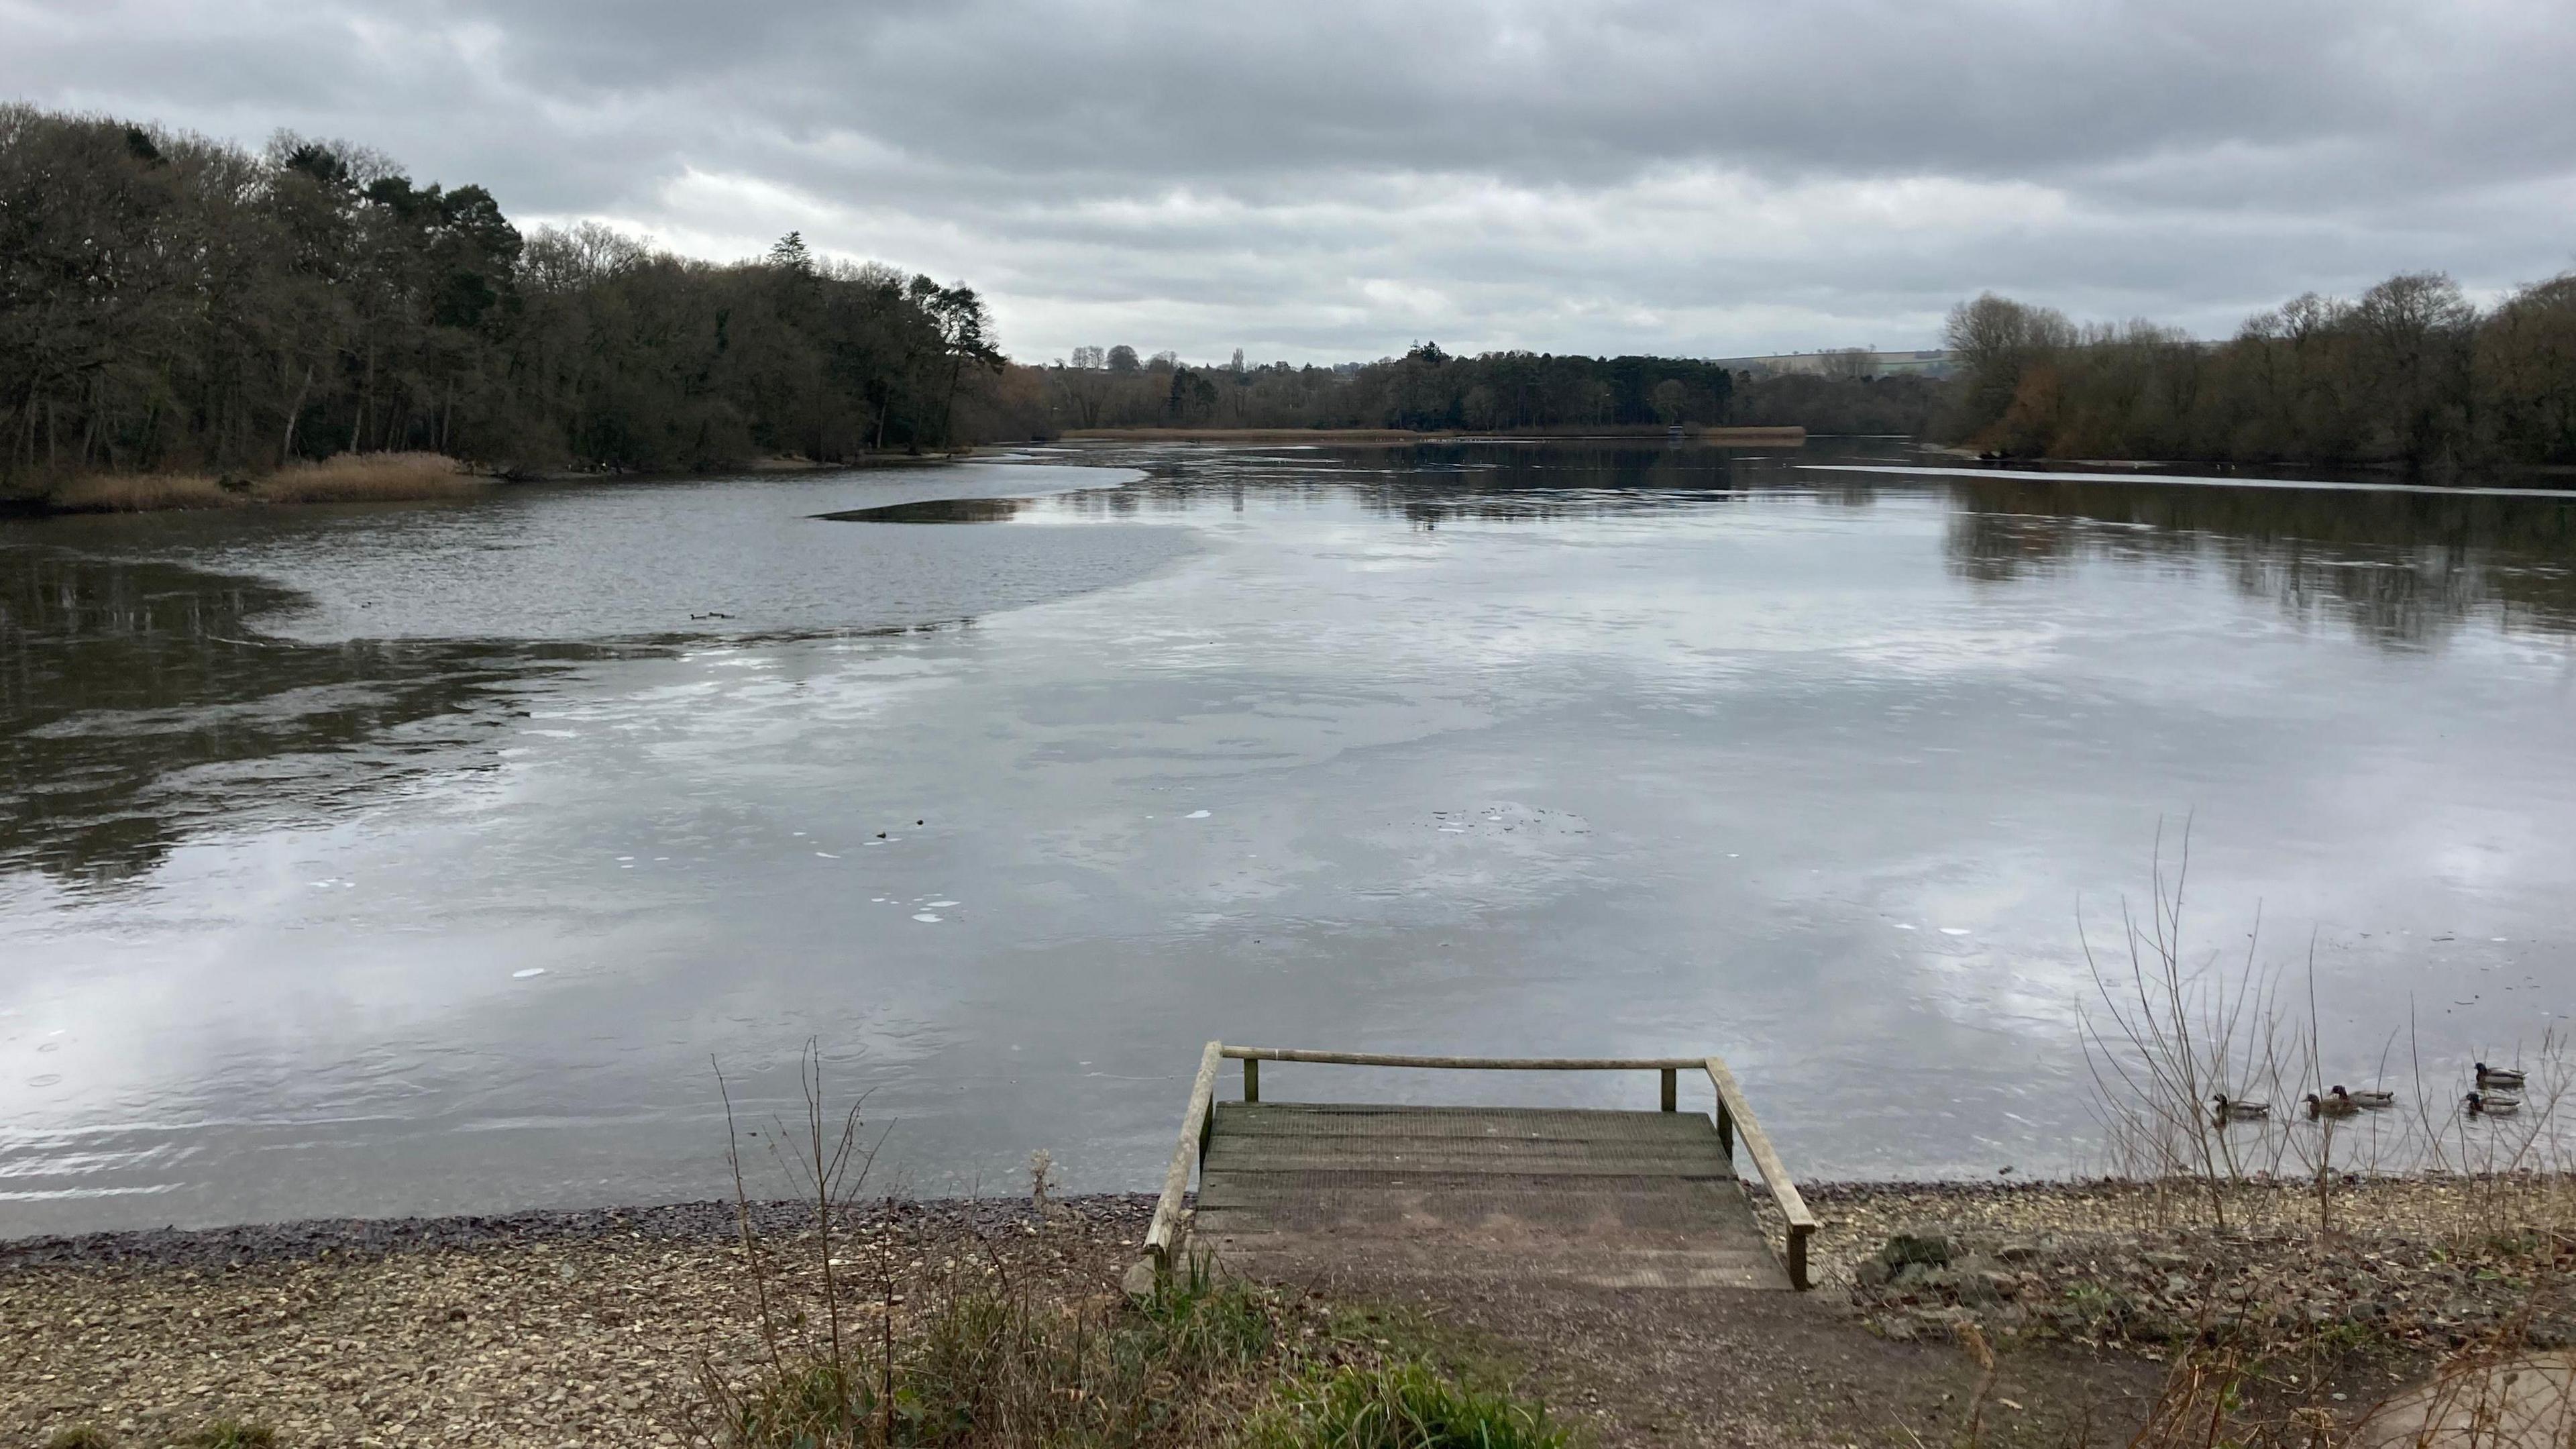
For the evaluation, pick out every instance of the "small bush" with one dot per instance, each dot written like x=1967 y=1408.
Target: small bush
x=1404 y=1406
x=81 y=1436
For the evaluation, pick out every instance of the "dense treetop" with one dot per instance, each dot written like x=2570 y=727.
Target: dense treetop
x=169 y=301
x=2410 y=374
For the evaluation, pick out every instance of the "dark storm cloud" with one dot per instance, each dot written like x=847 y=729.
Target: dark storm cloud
x=1337 y=178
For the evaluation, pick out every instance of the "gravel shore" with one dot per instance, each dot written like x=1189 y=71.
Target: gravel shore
x=531 y=1329
x=2410 y=1266
x=560 y=1328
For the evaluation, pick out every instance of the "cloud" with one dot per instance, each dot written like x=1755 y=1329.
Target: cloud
x=1338 y=178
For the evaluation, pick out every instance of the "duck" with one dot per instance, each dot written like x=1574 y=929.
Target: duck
x=2493 y=1104
x=2231 y=1110
x=2370 y=1101
x=2337 y=1104
x=2489 y=1076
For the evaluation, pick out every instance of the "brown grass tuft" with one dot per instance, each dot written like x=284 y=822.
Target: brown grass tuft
x=370 y=477
x=140 y=493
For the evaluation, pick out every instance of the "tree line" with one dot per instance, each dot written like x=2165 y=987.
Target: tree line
x=1431 y=390
x=169 y=301
x=2410 y=374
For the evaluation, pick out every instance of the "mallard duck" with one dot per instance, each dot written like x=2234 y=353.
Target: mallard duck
x=2228 y=1109
x=2373 y=1101
x=2337 y=1104
x=2489 y=1076
x=2493 y=1104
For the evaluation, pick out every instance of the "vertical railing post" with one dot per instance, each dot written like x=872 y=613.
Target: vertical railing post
x=1672 y=1089
x=1725 y=1130
x=1252 y=1079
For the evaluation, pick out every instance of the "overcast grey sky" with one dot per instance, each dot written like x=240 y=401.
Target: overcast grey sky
x=1336 y=178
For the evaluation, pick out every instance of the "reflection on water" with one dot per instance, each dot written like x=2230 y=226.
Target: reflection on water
x=2404 y=567
x=404 y=859
x=138 y=703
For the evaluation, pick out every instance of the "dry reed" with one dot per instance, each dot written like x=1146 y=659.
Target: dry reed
x=2171 y=1033
x=346 y=478
x=140 y=493
x=369 y=477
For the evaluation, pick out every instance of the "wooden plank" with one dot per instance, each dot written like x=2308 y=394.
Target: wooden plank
x=1161 y=1237
x=1454 y=1163
x=1472 y=1064
x=1775 y=1175
x=1511 y=1124
x=1242 y=1152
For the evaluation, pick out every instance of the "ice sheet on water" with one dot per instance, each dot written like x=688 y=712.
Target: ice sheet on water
x=1196 y=815
x=827 y=855
x=526 y=972
x=941 y=905
x=930 y=916
x=1954 y=930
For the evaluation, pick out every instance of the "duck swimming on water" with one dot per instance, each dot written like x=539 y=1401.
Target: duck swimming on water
x=2227 y=1109
x=2489 y=1076
x=2493 y=1104
x=2338 y=1104
x=2372 y=1101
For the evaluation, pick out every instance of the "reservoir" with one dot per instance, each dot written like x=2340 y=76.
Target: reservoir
x=375 y=860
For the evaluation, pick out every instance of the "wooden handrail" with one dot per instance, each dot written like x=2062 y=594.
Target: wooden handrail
x=1474 y=1064
x=1733 y=1111
x=1164 y=1235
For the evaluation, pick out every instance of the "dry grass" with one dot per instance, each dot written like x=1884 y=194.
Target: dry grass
x=348 y=478
x=369 y=477
x=2184 y=1044
x=141 y=493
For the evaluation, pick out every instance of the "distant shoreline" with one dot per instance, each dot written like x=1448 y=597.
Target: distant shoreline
x=1755 y=437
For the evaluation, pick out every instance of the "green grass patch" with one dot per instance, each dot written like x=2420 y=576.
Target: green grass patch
x=1407 y=1405
x=1199 y=1362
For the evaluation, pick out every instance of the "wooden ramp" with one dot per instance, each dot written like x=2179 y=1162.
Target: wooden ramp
x=1645 y=1199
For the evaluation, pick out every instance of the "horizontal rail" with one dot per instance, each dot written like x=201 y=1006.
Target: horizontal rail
x=1476 y=1064
x=1164 y=1235
x=1733 y=1109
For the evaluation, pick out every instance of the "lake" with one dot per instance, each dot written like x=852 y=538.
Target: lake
x=410 y=859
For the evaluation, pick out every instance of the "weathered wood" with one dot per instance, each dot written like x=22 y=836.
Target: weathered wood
x=1510 y=1183
x=1641 y=1198
x=1775 y=1176
x=1164 y=1235
x=1472 y=1064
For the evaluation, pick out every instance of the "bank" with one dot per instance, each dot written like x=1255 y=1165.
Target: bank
x=2037 y=1308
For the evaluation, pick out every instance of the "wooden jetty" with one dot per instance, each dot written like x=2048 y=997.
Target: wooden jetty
x=1616 y=1198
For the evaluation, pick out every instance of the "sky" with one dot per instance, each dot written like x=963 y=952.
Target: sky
x=1336 y=179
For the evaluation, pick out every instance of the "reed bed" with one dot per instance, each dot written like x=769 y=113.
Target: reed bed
x=369 y=477
x=141 y=493
x=346 y=478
